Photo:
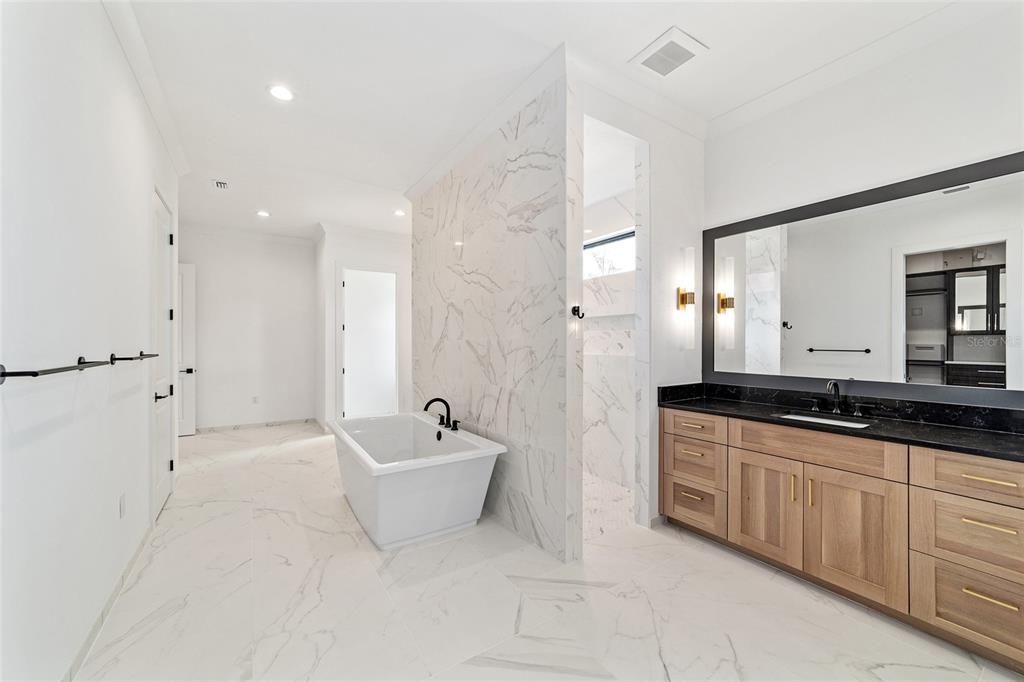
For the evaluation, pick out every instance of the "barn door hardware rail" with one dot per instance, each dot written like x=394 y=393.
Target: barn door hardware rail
x=114 y=359
x=838 y=350
x=80 y=365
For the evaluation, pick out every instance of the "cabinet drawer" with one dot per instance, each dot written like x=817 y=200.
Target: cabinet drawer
x=696 y=425
x=982 y=535
x=697 y=505
x=989 y=479
x=974 y=605
x=695 y=460
x=990 y=376
x=859 y=455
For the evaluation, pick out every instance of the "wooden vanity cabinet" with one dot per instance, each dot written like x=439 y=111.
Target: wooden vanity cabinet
x=765 y=511
x=855 y=534
x=934 y=535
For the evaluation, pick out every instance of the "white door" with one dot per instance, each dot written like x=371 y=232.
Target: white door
x=185 y=392
x=369 y=367
x=161 y=370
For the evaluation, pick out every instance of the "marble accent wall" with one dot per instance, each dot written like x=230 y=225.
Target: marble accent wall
x=609 y=399
x=492 y=244
x=765 y=261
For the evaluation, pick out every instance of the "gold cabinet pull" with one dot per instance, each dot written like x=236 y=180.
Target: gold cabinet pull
x=993 y=481
x=982 y=524
x=691 y=452
x=692 y=497
x=810 y=492
x=792 y=487
x=990 y=600
x=689 y=425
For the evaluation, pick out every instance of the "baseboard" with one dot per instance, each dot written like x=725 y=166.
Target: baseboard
x=257 y=425
x=90 y=639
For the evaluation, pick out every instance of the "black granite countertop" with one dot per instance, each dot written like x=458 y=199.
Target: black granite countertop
x=996 y=444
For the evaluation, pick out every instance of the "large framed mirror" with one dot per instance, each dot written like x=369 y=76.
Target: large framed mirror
x=913 y=290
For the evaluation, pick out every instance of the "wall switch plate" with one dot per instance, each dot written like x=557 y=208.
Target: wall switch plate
x=120 y=507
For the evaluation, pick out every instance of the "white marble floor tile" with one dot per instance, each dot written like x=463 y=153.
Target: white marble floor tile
x=258 y=570
x=607 y=506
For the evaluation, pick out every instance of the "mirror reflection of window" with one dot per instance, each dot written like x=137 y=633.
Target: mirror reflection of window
x=610 y=254
x=971 y=313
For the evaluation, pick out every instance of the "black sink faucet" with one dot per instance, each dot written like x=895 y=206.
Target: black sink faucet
x=446 y=420
x=833 y=387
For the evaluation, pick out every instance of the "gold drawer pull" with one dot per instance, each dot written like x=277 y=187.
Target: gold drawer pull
x=1008 y=484
x=689 y=425
x=792 y=487
x=691 y=452
x=1001 y=529
x=692 y=497
x=810 y=492
x=990 y=600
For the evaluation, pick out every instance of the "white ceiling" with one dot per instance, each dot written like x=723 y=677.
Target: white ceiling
x=384 y=90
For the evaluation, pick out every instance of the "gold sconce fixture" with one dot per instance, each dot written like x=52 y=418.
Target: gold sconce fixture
x=684 y=298
x=726 y=303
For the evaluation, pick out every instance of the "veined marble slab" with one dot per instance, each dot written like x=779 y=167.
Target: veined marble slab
x=492 y=334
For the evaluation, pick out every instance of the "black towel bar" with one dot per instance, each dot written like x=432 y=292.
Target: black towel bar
x=81 y=364
x=141 y=356
x=838 y=350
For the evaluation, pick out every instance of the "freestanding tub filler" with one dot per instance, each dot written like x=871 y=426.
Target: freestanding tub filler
x=408 y=479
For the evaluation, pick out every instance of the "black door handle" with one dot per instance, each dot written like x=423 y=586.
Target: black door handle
x=157 y=397
x=187 y=370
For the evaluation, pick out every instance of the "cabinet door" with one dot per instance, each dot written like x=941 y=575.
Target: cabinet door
x=971 y=309
x=855 y=534
x=765 y=505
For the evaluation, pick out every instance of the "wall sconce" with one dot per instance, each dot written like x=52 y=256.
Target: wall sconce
x=684 y=298
x=726 y=303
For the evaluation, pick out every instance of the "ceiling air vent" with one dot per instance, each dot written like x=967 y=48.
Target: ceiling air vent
x=219 y=184
x=669 y=51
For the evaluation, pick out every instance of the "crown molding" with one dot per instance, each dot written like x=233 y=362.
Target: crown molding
x=126 y=28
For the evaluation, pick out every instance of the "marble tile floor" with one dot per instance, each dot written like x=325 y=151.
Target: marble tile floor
x=607 y=506
x=257 y=570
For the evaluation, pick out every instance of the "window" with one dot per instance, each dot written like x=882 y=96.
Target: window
x=610 y=254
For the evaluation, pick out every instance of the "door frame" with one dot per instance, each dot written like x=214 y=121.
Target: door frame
x=186 y=305
x=339 y=341
x=1014 y=240
x=157 y=505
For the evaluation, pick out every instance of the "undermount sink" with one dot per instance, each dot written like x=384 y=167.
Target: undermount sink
x=824 y=420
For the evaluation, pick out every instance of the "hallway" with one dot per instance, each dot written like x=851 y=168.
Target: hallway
x=258 y=570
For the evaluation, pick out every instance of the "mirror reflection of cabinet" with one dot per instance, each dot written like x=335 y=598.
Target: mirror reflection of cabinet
x=978 y=301
x=1001 y=300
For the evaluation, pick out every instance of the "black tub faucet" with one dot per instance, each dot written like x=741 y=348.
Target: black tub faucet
x=446 y=420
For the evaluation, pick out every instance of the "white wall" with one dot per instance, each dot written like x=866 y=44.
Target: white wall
x=358 y=249
x=255 y=326
x=82 y=157
x=955 y=101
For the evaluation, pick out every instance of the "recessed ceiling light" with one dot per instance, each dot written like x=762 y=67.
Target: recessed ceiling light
x=399 y=212
x=263 y=214
x=588 y=231
x=458 y=243
x=281 y=92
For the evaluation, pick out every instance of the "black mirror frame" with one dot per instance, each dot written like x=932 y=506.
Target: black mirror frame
x=974 y=172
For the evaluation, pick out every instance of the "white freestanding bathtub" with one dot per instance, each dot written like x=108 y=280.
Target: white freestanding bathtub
x=406 y=484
